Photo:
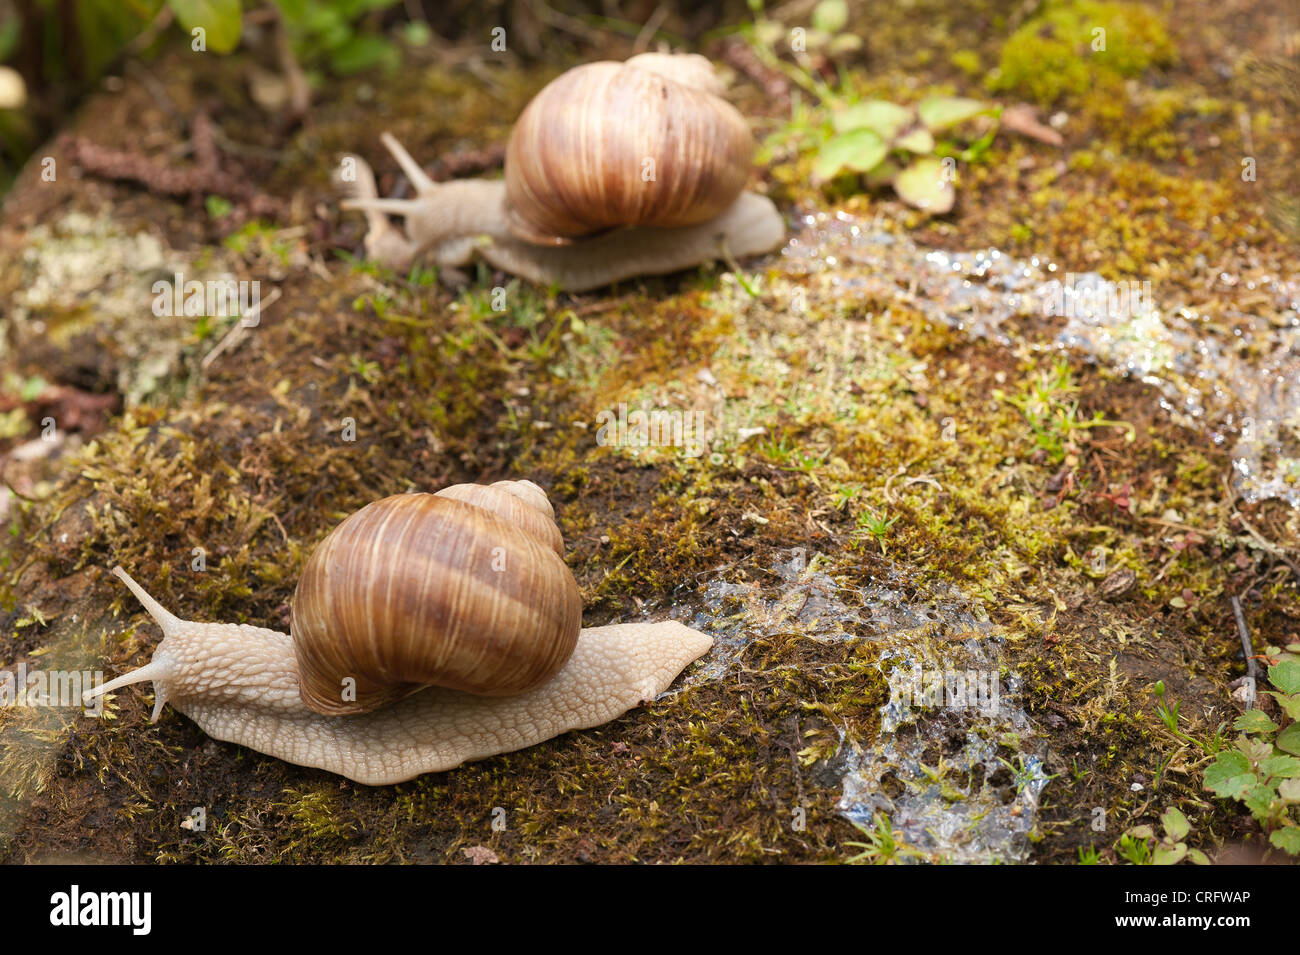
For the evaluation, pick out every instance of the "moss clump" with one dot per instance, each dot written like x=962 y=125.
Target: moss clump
x=1062 y=53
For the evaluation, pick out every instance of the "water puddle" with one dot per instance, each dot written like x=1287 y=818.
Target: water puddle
x=956 y=766
x=1231 y=371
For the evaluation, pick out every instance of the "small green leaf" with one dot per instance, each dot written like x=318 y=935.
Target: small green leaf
x=1280 y=767
x=1254 y=721
x=880 y=116
x=1254 y=749
x=1290 y=789
x=940 y=112
x=1287 y=839
x=927 y=185
x=220 y=21
x=917 y=140
x=1260 y=800
x=830 y=16
x=860 y=151
x=1285 y=676
x=1142 y=832
x=1289 y=739
x=363 y=52
x=1229 y=775
x=1176 y=824
x=1197 y=857
x=1169 y=855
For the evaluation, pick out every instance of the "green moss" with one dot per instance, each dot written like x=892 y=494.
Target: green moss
x=1061 y=52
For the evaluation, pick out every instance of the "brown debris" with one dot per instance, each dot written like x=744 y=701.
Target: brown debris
x=1023 y=119
x=205 y=177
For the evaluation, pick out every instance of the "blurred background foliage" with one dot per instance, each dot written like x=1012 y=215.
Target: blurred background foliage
x=54 y=51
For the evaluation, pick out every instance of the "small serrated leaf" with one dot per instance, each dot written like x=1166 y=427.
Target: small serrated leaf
x=1285 y=676
x=1260 y=800
x=1290 y=703
x=1287 y=839
x=1229 y=775
x=1254 y=749
x=1290 y=789
x=1280 y=767
x=1254 y=721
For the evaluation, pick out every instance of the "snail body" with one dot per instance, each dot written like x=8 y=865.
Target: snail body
x=613 y=170
x=362 y=686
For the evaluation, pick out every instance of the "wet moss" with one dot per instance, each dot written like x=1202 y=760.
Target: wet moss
x=1079 y=46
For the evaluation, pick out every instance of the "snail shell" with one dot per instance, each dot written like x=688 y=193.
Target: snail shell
x=648 y=142
x=464 y=589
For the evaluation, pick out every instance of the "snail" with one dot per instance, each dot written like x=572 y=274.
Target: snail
x=613 y=170
x=426 y=630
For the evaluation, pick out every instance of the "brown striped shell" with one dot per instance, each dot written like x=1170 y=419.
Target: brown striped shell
x=648 y=142
x=464 y=589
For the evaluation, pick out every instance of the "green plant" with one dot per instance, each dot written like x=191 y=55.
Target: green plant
x=1262 y=770
x=331 y=34
x=1140 y=846
x=893 y=144
x=882 y=846
x=875 y=139
x=1169 y=715
x=1025 y=773
x=1053 y=416
x=875 y=525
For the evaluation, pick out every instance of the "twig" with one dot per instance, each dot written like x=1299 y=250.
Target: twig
x=651 y=28
x=1252 y=668
x=239 y=331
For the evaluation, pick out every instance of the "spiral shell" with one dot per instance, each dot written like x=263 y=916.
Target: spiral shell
x=464 y=589
x=642 y=143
